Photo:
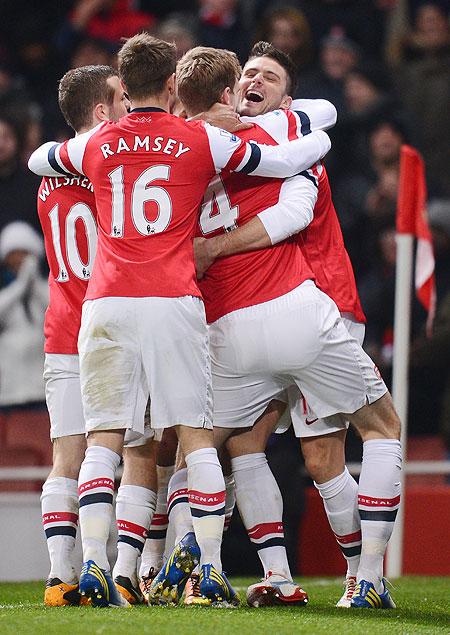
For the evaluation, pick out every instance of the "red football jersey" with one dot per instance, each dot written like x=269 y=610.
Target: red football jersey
x=150 y=171
x=321 y=241
x=323 y=246
x=246 y=279
x=66 y=209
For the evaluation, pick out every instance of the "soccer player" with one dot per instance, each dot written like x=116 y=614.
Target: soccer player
x=259 y=342
x=323 y=443
x=143 y=320
x=66 y=208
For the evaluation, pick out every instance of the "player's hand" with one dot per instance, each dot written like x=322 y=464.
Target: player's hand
x=223 y=116
x=203 y=256
x=28 y=272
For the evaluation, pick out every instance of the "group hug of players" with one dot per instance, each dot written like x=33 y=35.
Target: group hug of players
x=201 y=298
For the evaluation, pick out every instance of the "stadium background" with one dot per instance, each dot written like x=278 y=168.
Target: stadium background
x=385 y=65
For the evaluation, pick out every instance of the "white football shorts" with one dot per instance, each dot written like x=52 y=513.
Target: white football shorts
x=304 y=421
x=298 y=338
x=64 y=403
x=154 y=346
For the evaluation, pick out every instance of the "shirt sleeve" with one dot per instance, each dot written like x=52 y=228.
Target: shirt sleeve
x=282 y=161
x=317 y=114
x=294 y=210
x=286 y=159
x=56 y=159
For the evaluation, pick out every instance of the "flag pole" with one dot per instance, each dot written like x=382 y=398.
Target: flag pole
x=402 y=321
x=411 y=224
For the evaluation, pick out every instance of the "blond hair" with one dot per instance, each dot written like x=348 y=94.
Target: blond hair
x=203 y=73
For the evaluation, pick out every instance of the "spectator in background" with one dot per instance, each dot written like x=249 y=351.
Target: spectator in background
x=377 y=291
x=366 y=196
x=423 y=81
x=220 y=26
x=429 y=356
x=23 y=300
x=288 y=30
x=17 y=104
x=178 y=28
x=367 y=100
x=18 y=186
x=338 y=55
x=107 y=20
x=362 y=20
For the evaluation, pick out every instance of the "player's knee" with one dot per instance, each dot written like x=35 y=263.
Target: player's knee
x=324 y=458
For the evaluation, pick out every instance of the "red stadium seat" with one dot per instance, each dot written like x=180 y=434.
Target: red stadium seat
x=30 y=429
x=19 y=457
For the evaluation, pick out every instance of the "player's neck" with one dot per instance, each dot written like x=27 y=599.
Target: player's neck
x=155 y=101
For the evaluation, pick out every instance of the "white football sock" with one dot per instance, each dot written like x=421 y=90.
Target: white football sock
x=135 y=506
x=152 y=554
x=95 y=491
x=378 y=501
x=59 y=504
x=206 y=492
x=260 y=505
x=340 y=500
x=178 y=509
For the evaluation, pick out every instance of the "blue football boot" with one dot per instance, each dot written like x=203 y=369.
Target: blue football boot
x=167 y=587
x=215 y=588
x=97 y=584
x=365 y=597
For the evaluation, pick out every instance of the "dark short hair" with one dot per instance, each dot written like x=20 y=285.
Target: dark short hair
x=266 y=49
x=145 y=64
x=80 y=89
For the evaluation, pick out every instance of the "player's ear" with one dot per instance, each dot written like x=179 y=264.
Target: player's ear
x=171 y=84
x=225 y=97
x=286 y=102
x=101 y=113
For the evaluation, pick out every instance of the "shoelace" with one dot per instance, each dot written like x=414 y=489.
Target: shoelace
x=146 y=580
x=195 y=585
x=350 y=588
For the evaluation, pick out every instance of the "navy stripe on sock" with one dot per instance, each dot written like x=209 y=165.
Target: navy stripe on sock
x=182 y=499
x=384 y=515
x=137 y=544
x=351 y=551
x=272 y=542
x=62 y=530
x=100 y=497
x=156 y=535
x=200 y=513
x=253 y=161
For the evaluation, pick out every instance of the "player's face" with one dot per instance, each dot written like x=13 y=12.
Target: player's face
x=262 y=87
x=120 y=105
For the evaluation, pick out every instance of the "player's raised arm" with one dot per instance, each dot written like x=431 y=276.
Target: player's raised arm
x=285 y=160
x=61 y=159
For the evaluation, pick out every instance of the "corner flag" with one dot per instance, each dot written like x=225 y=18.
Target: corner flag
x=412 y=219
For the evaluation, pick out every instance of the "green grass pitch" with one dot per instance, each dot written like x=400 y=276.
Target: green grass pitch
x=423 y=607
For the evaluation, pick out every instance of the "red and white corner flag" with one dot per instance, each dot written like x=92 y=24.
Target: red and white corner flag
x=412 y=219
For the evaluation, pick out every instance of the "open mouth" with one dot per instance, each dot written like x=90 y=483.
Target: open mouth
x=254 y=95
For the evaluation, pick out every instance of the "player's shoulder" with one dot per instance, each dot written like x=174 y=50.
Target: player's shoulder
x=274 y=116
x=321 y=112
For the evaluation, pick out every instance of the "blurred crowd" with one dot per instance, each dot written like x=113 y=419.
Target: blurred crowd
x=385 y=64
